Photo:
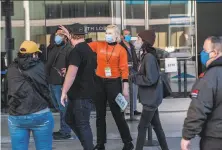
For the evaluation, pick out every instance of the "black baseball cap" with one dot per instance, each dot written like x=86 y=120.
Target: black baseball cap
x=78 y=29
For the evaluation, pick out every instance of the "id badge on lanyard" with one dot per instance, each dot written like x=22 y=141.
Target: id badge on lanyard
x=108 y=72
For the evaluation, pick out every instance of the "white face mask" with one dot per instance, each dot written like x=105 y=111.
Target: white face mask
x=138 y=45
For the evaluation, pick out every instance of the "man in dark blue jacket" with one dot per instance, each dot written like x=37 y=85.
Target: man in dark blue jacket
x=204 y=115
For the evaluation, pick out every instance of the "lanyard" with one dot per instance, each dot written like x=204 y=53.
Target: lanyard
x=107 y=60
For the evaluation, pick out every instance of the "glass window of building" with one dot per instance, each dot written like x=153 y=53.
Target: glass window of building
x=98 y=8
x=37 y=22
x=73 y=9
x=162 y=9
x=134 y=16
x=135 y=10
x=53 y=9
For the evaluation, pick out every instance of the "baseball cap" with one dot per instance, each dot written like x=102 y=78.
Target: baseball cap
x=78 y=29
x=29 y=47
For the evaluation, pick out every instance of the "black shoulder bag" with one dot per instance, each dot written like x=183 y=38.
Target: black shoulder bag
x=166 y=86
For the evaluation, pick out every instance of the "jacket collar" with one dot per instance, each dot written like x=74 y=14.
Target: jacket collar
x=113 y=43
x=217 y=62
x=123 y=44
x=26 y=63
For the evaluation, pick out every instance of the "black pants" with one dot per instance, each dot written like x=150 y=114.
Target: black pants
x=78 y=118
x=107 y=90
x=153 y=118
x=208 y=143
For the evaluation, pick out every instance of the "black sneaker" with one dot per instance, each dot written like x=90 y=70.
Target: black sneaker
x=60 y=136
x=137 y=113
x=99 y=147
x=56 y=133
x=128 y=146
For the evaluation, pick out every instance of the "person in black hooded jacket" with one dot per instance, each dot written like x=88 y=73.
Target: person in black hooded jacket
x=28 y=97
x=58 y=53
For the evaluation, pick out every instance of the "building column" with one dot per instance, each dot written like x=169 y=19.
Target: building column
x=147 y=14
x=123 y=15
x=117 y=14
x=112 y=11
x=27 y=19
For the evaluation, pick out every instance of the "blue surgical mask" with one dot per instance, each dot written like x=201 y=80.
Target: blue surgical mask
x=58 y=39
x=204 y=56
x=127 y=38
x=109 y=38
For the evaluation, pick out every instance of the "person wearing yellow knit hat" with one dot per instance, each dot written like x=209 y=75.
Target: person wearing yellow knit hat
x=28 y=99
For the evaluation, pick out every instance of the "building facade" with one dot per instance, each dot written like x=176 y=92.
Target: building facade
x=173 y=21
x=44 y=16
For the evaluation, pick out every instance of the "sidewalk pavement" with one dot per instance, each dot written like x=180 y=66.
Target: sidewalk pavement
x=172 y=114
x=174 y=144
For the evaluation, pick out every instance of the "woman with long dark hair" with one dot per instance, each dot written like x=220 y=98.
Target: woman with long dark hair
x=150 y=90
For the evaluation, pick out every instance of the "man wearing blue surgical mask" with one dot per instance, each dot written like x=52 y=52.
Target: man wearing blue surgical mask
x=55 y=70
x=204 y=115
x=132 y=60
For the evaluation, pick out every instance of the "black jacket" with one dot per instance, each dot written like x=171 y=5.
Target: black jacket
x=132 y=57
x=204 y=116
x=57 y=59
x=28 y=93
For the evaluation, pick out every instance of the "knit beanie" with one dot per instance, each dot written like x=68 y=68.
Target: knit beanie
x=148 y=36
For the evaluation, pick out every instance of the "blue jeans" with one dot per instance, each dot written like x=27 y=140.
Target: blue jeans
x=78 y=118
x=41 y=126
x=56 y=94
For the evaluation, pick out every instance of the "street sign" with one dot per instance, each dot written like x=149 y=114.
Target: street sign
x=171 y=65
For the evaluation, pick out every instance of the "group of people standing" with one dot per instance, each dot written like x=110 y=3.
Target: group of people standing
x=77 y=79
x=74 y=79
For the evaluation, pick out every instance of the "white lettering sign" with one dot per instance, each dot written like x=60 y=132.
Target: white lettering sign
x=170 y=64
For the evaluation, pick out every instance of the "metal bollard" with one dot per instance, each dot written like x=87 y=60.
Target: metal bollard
x=150 y=141
x=179 y=77
x=185 y=78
